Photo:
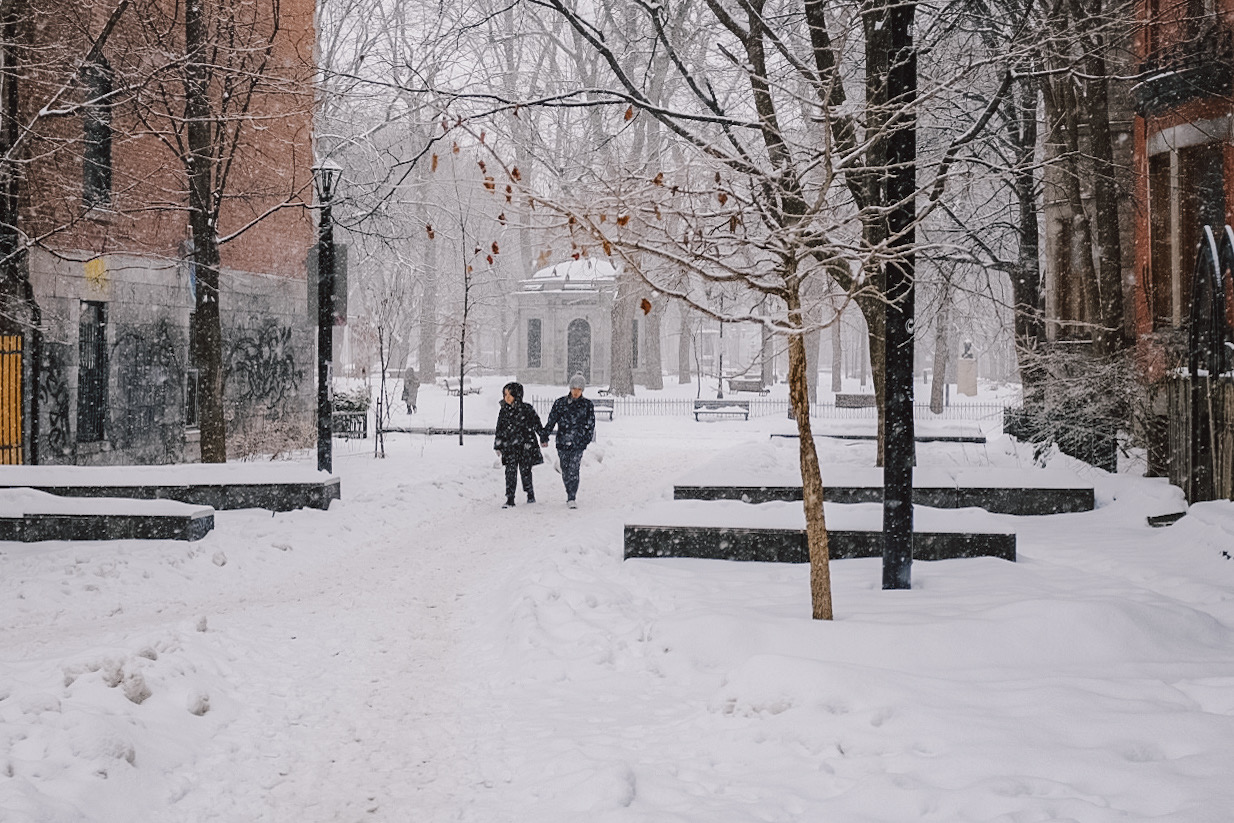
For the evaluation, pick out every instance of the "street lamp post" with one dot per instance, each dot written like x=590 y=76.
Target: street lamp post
x=898 y=434
x=326 y=175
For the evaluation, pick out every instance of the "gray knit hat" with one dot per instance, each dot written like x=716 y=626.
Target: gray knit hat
x=577 y=381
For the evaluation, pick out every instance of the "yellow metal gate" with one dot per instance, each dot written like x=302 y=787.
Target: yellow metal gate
x=11 y=451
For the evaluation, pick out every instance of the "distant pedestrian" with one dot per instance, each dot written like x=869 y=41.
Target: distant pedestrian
x=575 y=419
x=517 y=428
x=411 y=389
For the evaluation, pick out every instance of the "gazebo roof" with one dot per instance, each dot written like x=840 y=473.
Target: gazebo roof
x=584 y=274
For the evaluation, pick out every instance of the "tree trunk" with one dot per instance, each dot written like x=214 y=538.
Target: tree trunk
x=837 y=356
x=684 y=366
x=811 y=479
x=1026 y=279
x=621 y=351
x=1063 y=138
x=1109 y=336
x=651 y=345
x=427 y=355
x=207 y=342
x=942 y=348
x=767 y=357
x=872 y=309
x=813 y=340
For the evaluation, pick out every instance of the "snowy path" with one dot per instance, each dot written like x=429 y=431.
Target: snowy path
x=419 y=654
x=330 y=656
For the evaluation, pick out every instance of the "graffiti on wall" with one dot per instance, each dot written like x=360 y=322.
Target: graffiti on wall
x=149 y=362
x=54 y=400
x=261 y=365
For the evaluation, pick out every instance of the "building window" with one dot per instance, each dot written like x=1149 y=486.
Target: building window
x=634 y=343
x=92 y=372
x=534 y=347
x=1186 y=192
x=96 y=165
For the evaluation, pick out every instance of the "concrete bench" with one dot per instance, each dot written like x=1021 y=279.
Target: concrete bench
x=775 y=533
x=275 y=486
x=995 y=490
x=737 y=384
x=31 y=516
x=722 y=408
x=603 y=405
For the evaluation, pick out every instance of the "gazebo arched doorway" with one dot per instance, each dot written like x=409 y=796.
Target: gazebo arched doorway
x=578 y=349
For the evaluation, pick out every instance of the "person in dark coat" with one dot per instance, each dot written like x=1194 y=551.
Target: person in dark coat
x=411 y=389
x=517 y=428
x=575 y=419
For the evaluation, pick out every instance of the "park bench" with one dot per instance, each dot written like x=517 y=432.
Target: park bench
x=349 y=424
x=722 y=408
x=738 y=384
x=856 y=401
x=603 y=405
x=452 y=386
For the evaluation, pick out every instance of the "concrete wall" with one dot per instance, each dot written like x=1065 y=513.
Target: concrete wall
x=268 y=356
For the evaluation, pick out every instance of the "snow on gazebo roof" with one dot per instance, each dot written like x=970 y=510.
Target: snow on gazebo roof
x=584 y=268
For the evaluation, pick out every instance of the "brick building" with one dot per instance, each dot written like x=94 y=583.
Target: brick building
x=1184 y=163
x=97 y=282
x=1184 y=150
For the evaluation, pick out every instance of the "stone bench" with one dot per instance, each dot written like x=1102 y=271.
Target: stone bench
x=999 y=491
x=275 y=486
x=722 y=408
x=775 y=533
x=31 y=516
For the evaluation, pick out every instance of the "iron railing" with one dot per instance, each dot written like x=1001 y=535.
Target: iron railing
x=778 y=407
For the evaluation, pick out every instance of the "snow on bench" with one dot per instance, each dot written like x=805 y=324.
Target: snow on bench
x=722 y=408
x=755 y=475
x=277 y=486
x=739 y=384
x=925 y=431
x=452 y=389
x=775 y=532
x=603 y=405
x=29 y=516
x=856 y=401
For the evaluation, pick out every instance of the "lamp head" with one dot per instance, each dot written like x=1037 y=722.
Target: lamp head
x=326 y=174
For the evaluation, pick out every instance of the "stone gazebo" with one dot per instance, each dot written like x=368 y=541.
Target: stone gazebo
x=565 y=322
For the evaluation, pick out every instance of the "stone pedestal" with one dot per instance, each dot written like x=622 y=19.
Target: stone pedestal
x=966 y=376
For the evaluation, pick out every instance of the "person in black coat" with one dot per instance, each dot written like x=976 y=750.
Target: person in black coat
x=575 y=419
x=518 y=428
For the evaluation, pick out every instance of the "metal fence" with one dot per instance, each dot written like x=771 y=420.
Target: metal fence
x=769 y=407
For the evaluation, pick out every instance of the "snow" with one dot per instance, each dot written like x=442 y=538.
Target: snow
x=417 y=653
x=20 y=502
x=185 y=474
x=582 y=269
x=732 y=514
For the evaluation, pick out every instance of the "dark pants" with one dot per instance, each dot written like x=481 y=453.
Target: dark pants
x=571 y=459
x=513 y=470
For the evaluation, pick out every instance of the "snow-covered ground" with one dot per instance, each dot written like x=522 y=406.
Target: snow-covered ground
x=419 y=654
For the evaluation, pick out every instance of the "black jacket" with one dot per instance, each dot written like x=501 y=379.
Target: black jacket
x=575 y=421
x=518 y=434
